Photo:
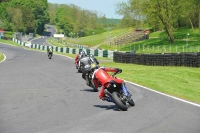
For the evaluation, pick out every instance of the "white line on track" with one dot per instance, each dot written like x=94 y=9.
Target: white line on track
x=198 y=105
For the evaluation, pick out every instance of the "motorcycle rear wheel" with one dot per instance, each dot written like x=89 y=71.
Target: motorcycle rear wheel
x=50 y=55
x=118 y=101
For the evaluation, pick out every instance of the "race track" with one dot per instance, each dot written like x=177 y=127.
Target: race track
x=41 y=95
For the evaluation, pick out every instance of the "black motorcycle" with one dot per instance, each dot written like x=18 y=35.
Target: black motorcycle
x=92 y=64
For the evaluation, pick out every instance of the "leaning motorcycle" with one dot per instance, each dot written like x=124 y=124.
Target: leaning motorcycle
x=92 y=64
x=116 y=89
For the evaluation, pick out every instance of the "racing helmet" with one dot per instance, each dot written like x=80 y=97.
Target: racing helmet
x=83 y=52
x=91 y=56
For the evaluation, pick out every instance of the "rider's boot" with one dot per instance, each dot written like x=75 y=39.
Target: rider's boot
x=105 y=98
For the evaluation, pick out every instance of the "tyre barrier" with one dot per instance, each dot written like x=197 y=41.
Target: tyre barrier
x=168 y=59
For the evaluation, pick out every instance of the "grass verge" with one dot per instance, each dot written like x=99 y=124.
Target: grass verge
x=9 y=42
x=182 y=82
x=1 y=57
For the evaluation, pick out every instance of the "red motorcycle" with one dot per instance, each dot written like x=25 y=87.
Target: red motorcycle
x=116 y=90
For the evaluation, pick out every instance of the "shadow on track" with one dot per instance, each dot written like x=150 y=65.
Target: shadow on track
x=88 y=90
x=108 y=107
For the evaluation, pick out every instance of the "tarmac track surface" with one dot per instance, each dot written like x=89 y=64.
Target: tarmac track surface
x=41 y=95
x=42 y=40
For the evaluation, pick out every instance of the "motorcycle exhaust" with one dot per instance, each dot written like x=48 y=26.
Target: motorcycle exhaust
x=108 y=93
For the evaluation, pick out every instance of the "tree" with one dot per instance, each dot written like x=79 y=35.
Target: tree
x=130 y=12
x=40 y=11
x=197 y=9
x=28 y=19
x=15 y=16
x=166 y=11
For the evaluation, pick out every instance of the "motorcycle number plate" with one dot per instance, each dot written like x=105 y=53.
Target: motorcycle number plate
x=87 y=66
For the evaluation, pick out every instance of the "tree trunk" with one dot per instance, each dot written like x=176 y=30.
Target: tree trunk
x=191 y=24
x=199 y=24
x=169 y=33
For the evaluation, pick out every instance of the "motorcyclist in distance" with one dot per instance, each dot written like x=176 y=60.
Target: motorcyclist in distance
x=49 y=50
x=93 y=58
x=79 y=56
x=82 y=55
x=77 y=59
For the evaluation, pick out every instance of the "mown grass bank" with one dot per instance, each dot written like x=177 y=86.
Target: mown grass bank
x=1 y=57
x=186 y=40
x=9 y=42
x=90 y=41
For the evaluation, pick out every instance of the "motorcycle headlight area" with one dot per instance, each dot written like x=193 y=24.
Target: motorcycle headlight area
x=107 y=85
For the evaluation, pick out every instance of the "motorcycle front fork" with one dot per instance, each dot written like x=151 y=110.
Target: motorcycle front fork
x=125 y=90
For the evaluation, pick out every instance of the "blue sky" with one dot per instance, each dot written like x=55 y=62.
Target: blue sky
x=106 y=7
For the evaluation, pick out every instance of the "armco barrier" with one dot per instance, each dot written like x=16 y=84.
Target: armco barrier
x=96 y=52
x=169 y=59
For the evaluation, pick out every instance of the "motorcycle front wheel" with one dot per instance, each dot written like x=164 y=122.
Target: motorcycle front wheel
x=122 y=105
x=94 y=87
x=131 y=102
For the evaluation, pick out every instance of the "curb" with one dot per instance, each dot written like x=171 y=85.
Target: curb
x=3 y=59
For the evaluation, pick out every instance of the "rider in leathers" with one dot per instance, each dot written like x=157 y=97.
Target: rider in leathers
x=49 y=50
x=86 y=63
x=103 y=77
x=78 y=57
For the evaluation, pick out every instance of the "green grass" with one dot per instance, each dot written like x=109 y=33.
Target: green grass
x=1 y=57
x=158 y=43
x=9 y=42
x=182 y=82
x=93 y=40
x=55 y=43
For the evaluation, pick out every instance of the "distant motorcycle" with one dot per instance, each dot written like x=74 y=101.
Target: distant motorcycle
x=49 y=52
